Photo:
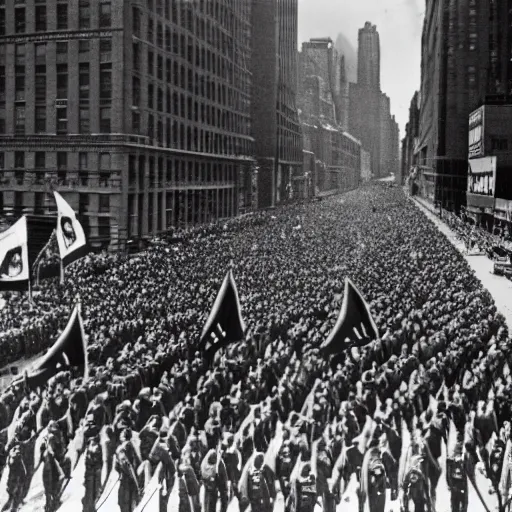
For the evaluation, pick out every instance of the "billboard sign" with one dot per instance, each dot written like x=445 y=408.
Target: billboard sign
x=476 y=133
x=482 y=176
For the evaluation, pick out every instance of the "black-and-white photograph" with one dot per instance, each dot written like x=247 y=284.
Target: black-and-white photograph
x=255 y=255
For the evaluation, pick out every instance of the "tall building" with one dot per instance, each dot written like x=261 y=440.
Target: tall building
x=365 y=104
x=411 y=138
x=368 y=57
x=320 y=59
x=464 y=63
x=321 y=105
x=364 y=121
x=385 y=135
x=275 y=121
x=138 y=113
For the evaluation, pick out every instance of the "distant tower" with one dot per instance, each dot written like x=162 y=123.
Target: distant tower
x=368 y=65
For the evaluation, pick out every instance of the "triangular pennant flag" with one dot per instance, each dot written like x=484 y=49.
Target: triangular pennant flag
x=14 y=267
x=225 y=324
x=67 y=352
x=70 y=234
x=354 y=323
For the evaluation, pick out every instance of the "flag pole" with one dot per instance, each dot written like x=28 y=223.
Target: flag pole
x=61 y=272
x=30 y=298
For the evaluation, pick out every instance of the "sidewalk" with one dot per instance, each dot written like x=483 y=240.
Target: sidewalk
x=499 y=287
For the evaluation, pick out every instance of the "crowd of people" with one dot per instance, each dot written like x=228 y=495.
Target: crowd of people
x=271 y=412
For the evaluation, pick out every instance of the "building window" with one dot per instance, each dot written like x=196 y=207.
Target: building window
x=2 y=120
x=62 y=121
x=105 y=116
x=151 y=126
x=19 y=127
x=151 y=62
x=136 y=54
x=105 y=81
x=62 y=48
x=2 y=21
x=62 y=16
x=19 y=83
x=105 y=15
x=40 y=119
x=19 y=160
x=19 y=20
x=105 y=163
x=2 y=84
x=84 y=14
x=40 y=166
x=84 y=120
x=40 y=52
x=105 y=50
x=159 y=36
x=136 y=91
x=84 y=82
x=83 y=166
x=136 y=21
x=136 y=122
x=62 y=81
x=20 y=53
x=83 y=46
x=160 y=68
x=62 y=167
x=40 y=84
x=104 y=227
x=104 y=203
x=151 y=30
x=40 y=18
x=151 y=96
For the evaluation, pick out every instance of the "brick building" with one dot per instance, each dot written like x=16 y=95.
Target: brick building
x=137 y=112
x=275 y=122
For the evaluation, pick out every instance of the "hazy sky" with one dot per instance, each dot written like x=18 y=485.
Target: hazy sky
x=399 y=23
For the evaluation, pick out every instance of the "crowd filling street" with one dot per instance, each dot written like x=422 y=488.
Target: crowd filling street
x=270 y=416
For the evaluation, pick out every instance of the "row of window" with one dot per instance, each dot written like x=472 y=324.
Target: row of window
x=179 y=208
x=205 y=60
x=159 y=34
x=42 y=23
x=61 y=47
x=44 y=202
x=183 y=12
x=40 y=81
x=187 y=107
x=40 y=159
x=175 y=134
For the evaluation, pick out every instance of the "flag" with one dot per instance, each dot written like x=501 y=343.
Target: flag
x=67 y=352
x=14 y=267
x=70 y=234
x=354 y=322
x=225 y=323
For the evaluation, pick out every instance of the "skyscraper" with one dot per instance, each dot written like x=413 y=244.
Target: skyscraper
x=365 y=96
x=368 y=57
x=137 y=112
x=464 y=63
x=275 y=121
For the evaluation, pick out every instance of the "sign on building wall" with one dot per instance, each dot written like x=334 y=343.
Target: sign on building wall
x=482 y=175
x=476 y=133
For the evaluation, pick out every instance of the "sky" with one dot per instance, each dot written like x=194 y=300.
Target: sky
x=399 y=23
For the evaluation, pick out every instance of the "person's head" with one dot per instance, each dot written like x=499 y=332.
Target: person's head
x=258 y=460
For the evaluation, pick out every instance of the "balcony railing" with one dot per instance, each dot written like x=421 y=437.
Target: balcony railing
x=37 y=180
